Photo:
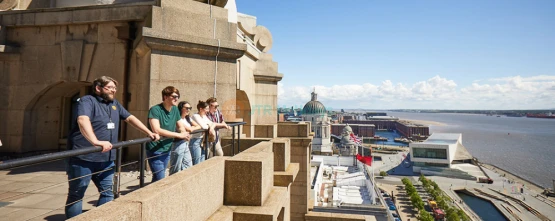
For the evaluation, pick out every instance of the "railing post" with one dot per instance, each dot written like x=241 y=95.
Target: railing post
x=142 y=159
x=238 y=138
x=206 y=144
x=233 y=141
x=117 y=174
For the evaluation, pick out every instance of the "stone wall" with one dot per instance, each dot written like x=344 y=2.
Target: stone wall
x=257 y=184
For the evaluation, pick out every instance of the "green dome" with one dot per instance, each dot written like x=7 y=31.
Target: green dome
x=314 y=107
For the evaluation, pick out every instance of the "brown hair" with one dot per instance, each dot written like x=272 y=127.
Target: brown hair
x=102 y=81
x=211 y=100
x=169 y=90
x=201 y=105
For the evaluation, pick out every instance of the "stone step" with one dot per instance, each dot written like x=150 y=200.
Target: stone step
x=274 y=208
x=284 y=178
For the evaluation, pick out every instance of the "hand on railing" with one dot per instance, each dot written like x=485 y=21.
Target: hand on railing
x=154 y=136
x=106 y=146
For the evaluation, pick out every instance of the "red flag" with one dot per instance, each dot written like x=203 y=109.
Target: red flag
x=365 y=159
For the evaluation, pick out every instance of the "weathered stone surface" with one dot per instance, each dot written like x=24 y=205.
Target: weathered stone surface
x=285 y=178
x=322 y=216
x=195 y=193
x=282 y=153
x=298 y=130
x=248 y=179
x=223 y=214
x=245 y=144
x=265 y=131
x=269 y=210
x=130 y=211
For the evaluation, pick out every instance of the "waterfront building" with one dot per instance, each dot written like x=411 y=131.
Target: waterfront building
x=315 y=112
x=361 y=130
x=405 y=128
x=442 y=154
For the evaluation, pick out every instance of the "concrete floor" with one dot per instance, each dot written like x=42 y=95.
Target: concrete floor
x=39 y=192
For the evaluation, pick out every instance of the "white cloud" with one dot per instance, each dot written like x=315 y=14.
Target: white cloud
x=513 y=92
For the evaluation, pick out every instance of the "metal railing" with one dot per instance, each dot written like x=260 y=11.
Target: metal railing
x=28 y=161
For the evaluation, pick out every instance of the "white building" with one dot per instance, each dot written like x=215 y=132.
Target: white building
x=315 y=112
x=440 y=150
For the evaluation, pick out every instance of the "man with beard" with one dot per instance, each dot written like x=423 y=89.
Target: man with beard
x=97 y=124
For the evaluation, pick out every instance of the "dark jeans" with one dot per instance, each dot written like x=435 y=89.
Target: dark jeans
x=158 y=162
x=83 y=169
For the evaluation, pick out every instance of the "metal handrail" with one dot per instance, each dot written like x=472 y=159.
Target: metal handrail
x=15 y=163
x=10 y=164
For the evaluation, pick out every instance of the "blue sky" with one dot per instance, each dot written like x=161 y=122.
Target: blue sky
x=444 y=54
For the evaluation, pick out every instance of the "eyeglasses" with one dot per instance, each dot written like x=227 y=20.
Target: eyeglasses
x=188 y=108
x=111 y=88
x=175 y=96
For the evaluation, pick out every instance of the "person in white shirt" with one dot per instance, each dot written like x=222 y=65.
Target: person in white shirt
x=197 y=153
x=180 y=157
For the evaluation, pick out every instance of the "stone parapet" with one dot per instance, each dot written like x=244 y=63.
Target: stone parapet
x=321 y=216
x=265 y=131
x=282 y=153
x=249 y=177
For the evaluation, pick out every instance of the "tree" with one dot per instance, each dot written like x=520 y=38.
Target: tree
x=453 y=217
x=383 y=173
x=463 y=215
x=425 y=216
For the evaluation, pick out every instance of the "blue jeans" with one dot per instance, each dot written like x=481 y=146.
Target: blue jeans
x=103 y=182
x=158 y=161
x=197 y=153
x=180 y=157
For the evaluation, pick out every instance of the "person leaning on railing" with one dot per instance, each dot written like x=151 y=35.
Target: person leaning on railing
x=216 y=116
x=97 y=124
x=180 y=157
x=164 y=119
x=202 y=120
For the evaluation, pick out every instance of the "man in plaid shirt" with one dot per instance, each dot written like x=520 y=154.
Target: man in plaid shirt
x=216 y=116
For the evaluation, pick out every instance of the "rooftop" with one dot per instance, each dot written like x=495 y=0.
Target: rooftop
x=443 y=138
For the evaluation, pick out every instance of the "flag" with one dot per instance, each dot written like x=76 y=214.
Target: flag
x=365 y=159
x=355 y=139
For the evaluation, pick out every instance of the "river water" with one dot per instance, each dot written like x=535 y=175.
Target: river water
x=520 y=145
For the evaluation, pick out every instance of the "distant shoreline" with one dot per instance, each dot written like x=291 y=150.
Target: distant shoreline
x=425 y=122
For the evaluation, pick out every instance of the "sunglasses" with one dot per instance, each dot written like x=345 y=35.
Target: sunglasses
x=175 y=96
x=216 y=106
x=188 y=108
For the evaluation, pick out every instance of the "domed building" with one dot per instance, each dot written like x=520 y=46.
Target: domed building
x=315 y=112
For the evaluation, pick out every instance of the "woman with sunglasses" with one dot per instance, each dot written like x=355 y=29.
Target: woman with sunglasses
x=197 y=153
x=180 y=158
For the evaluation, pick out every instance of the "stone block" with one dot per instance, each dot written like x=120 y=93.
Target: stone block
x=113 y=211
x=265 y=131
x=265 y=146
x=50 y=18
x=195 y=193
x=240 y=146
x=248 y=178
x=269 y=210
x=223 y=214
x=287 y=130
x=287 y=177
x=195 y=7
x=282 y=153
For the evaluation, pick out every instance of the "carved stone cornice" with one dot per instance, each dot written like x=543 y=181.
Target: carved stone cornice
x=267 y=78
x=187 y=44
